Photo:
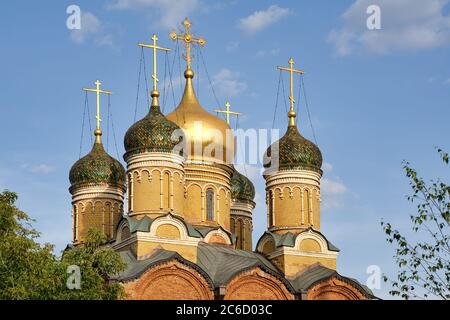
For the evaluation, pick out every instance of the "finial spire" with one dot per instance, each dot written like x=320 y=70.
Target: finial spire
x=228 y=112
x=155 y=92
x=98 y=130
x=187 y=37
x=291 y=113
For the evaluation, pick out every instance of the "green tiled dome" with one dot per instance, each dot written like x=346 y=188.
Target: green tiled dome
x=241 y=187
x=153 y=133
x=97 y=167
x=295 y=152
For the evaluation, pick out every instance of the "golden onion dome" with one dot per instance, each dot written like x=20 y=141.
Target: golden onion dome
x=208 y=138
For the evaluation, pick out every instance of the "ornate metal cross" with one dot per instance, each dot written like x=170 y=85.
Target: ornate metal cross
x=187 y=37
x=228 y=112
x=291 y=70
x=155 y=48
x=97 y=91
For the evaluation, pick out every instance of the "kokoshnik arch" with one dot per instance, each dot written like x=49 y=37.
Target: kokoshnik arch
x=188 y=230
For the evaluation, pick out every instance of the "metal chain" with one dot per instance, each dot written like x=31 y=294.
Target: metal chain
x=297 y=107
x=147 y=92
x=181 y=74
x=240 y=145
x=82 y=124
x=209 y=78
x=307 y=109
x=170 y=77
x=107 y=124
x=198 y=71
x=171 y=73
x=276 y=101
x=112 y=127
x=138 y=85
x=89 y=118
x=284 y=93
x=164 y=82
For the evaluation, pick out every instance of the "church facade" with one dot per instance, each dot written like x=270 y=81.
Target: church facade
x=187 y=232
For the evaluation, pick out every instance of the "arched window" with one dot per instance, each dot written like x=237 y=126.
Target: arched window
x=270 y=208
x=75 y=223
x=306 y=206
x=210 y=205
x=239 y=234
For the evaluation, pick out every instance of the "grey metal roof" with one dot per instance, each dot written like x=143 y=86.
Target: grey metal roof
x=288 y=239
x=145 y=223
x=204 y=230
x=223 y=263
x=310 y=276
x=135 y=268
x=316 y=273
x=219 y=264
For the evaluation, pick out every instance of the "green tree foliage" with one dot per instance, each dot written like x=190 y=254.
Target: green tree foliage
x=96 y=262
x=29 y=270
x=424 y=264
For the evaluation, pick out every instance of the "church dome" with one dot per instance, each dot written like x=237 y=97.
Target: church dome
x=241 y=187
x=97 y=167
x=208 y=137
x=295 y=152
x=153 y=133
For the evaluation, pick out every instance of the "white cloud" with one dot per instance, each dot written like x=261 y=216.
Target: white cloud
x=39 y=169
x=332 y=193
x=228 y=84
x=90 y=24
x=260 y=20
x=272 y=52
x=332 y=187
x=91 y=29
x=447 y=82
x=327 y=167
x=405 y=25
x=170 y=13
x=105 y=40
x=232 y=46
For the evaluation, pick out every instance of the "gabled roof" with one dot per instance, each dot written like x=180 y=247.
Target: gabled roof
x=135 y=268
x=145 y=223
x=317 y=273
x=219 y=264
x=223 y=263
x=288 y=239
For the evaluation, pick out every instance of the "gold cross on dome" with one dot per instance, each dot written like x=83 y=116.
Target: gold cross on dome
x=155 y=48
x=187 y=37
x=291 y=70
x=97 y=91
x=228 y=112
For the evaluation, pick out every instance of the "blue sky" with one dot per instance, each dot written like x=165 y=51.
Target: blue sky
x=376 y=97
